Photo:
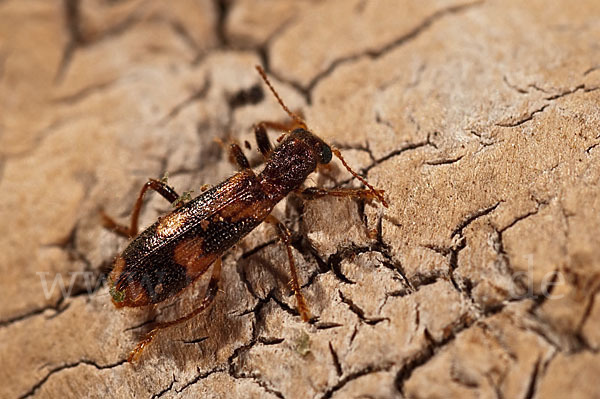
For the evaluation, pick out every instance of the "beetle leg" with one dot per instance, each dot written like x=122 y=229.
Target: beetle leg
x=262 y=140
x=209 y=296
x=237 y=156
x=282 y=126
x=377 y=193
x=311 y=193
x=285 y=236
x=160 y=187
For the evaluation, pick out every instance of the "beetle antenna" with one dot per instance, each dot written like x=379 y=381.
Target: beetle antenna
x=292 y=115
x=376 y=193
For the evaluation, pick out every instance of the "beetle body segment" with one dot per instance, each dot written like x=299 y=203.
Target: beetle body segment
x=287 y=168
x=180 y=246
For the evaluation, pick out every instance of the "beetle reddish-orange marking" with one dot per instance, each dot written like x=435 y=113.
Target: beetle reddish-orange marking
x=181 y=246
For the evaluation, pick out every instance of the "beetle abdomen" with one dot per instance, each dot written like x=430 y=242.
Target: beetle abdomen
x=181 y=246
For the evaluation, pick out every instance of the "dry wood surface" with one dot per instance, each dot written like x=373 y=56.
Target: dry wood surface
x=480 y=120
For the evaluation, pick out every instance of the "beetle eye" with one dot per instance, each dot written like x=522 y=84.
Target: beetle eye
x=325 y=154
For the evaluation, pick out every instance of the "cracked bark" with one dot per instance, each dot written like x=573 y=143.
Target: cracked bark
x=480 y=280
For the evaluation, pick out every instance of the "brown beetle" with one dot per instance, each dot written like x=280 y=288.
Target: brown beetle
x=182 y=245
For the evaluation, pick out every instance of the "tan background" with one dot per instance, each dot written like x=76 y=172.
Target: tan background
x=479 y=119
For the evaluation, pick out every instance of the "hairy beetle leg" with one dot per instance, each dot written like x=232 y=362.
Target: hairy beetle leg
x=160 y=187
x=285 y=236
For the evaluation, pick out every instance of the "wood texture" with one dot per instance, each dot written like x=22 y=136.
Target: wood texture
x=480 y=119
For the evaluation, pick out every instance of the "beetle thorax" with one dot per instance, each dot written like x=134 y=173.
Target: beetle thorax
x=288 y=167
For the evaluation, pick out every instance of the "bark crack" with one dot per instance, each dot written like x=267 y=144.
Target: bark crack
x=30 y=314
x=79 y=39
x=407 y=147
x=587 y=312
x=85 y=92
x=182 y=32
x=89 y=287
x=165 y=390
x=354 y=308
x=386 y=366
x=336 y=360
x=425 y=24
x=550 y=98
x=531 y=388
x=444 y=161
x=460 y=241
x=498 y=241
x=198 y=95
x=233 y=370
x=591 y=69
x=67 y=366
x=199 y=377
x=222 y=7
x=523 y=120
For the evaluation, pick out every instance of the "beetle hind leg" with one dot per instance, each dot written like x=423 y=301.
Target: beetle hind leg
x=160 y=187
x=209 y=296
x=285 y=236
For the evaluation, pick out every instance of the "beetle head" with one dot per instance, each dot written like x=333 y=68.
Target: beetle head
x=317 y=146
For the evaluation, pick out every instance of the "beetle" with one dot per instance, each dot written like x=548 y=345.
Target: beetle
x=182 y=245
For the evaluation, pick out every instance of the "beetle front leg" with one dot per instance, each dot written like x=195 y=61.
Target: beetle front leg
x=286 y=238
x=160 y=187
x=262 y=140
x=209 y=296
x=237 y=156
x=235 y=153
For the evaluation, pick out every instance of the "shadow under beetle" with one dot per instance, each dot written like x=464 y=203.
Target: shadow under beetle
x=181 y=246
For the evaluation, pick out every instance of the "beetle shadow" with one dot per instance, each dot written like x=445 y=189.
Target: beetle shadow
x=206 y=341
x=262 y=276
